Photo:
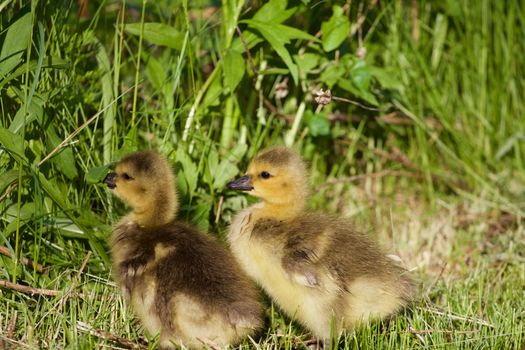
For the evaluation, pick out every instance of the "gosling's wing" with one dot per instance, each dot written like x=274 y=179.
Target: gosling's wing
x=306 y=244
x=299 y=244
x=304 y=275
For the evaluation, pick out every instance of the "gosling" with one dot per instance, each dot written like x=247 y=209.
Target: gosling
x=317 y=268
x=180 y=282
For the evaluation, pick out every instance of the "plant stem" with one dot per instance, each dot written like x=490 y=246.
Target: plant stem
x=137 y=72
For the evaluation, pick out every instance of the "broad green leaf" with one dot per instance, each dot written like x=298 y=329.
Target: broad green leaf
x=158 y=34
x=283 y=32
x=292 y=33
x=49 y=62
x=27 y=211
x=214 y=92
x=233 y=69
x=61 y=199
x=67 y=228
x=182 y=185
x=387 y=79
x=189 y=170
x=361 y=75
x=335 y=30
x=201 y=214
x=53 y=191
x=227 y=168
x=15 y=44
x=156 y=73
x=213 y=163
x=306 y=62
x=350 y=87
x=356 y=78
x=88 y=222
x=64 y=159
x=274 y=11
x=97 y=174
x=277 y=41
x=129 y=145
x=318 y=124
x=225 y=172
x=251 y=39
x=7 y=178
x=38 y=148
x=332 y=74
x=34 y=111
x=237 y=152
x=13 y=143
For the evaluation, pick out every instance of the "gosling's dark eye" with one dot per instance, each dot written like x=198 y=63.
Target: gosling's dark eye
x=265 y=175
x=126 y=177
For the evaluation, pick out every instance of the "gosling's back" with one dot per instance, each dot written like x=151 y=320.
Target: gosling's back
x=320 y=270
x=185 y=285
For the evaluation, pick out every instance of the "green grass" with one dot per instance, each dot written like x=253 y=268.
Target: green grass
x=429 y=161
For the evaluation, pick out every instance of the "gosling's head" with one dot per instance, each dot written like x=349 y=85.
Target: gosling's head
x=145 y=181
x=278 y=176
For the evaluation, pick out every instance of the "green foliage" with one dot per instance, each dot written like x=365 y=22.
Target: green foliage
x=233 y=70
x=157 y=33
x=13 y=143
x=97 y=174
x=335 y=31
x=318 y=124
x=15 y=44
x=431 y=96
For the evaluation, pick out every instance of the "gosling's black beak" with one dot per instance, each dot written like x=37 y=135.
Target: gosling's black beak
x=243 y=184
x=110 y=180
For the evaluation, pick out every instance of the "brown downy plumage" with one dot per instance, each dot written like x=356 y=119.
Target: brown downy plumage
x=180 y=282
x=316 y=267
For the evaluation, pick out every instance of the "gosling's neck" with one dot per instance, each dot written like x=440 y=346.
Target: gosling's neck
x=280 y=211
x=157 y=213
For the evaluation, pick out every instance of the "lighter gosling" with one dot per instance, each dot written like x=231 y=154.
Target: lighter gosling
x=316 y=267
